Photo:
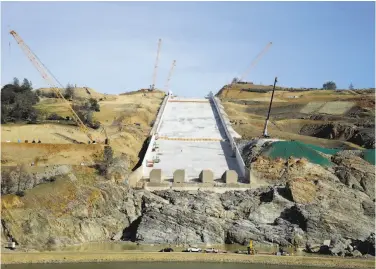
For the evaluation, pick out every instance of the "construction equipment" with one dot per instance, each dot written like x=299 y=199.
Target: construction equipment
x=51 y=81
x=250 y=249
x=152 y=86
x=253 y=64
x=169 y=75
x=265 y=132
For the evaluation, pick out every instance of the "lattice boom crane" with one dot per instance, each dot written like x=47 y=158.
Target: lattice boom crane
x=152 y=87
x=169 y=75
x=51 y=81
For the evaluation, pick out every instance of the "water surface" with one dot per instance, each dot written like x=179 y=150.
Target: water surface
x=152 y=265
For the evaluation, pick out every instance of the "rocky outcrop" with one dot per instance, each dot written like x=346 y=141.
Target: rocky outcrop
x=308 y=202
x=20 y=178
x=74 y=214
x=355 y=173
x=364 y=137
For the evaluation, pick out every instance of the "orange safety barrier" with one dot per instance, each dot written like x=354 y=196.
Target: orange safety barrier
x=188 y=101
x=189 y=139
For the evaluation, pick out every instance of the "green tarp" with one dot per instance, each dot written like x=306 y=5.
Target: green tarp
x=369 y=156
x=285 y=149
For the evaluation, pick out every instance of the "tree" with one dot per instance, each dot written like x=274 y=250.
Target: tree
x=235 y=80
x=330 y=85
x=351 y=86
x=69 y=91
x=17 y=102
x=16 y=82
x=26 y=85
x=94 y=105
x=85 y=113
x=108 y=157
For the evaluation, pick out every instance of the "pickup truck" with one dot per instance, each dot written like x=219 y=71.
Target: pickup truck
x=194 y=249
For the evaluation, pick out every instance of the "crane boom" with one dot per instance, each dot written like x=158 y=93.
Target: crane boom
x=255 y=61
x=50 y=79
x=253 y=64
x=169 y=75
x=156 y=65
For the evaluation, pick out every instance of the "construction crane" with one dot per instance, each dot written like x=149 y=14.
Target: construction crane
x=253 y=64
x=152 y=86
x=169 y=75
x=51 y=81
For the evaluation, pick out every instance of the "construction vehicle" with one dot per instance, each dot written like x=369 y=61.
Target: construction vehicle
x=51 y=81
x=152 y=86
x=246 y=73
x=250 y=249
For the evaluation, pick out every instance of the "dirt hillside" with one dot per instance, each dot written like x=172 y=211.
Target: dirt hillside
x=127 y=120
x=323 y=117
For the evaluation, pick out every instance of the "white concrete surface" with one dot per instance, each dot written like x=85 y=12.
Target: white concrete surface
x=193 y=157
x=191 y=120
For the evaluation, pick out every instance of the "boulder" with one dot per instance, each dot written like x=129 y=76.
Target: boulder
x=302 y=191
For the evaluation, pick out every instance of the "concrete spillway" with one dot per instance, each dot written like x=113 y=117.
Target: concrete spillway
x=191 y=137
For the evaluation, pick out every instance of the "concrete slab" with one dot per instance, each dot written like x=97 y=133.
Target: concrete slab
x=184 y=121
x=194 y=157
x=189 y=119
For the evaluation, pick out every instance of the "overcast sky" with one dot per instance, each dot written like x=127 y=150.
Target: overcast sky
x=111 y=46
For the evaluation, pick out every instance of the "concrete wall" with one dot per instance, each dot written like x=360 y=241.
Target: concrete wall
x=230 y=137
x=159 y=117
x=154 y=131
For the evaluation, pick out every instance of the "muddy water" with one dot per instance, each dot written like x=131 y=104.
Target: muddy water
x=128 y=246
x=154 y=265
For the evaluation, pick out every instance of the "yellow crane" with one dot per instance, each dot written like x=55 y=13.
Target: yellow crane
x=51 y=81
x=152 y=86
x=169 y=75
x=253 y=64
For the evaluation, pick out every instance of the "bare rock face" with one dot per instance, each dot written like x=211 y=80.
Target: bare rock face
x=302 y=191
x=356 y=173
x=306 y=201
x=75 y=214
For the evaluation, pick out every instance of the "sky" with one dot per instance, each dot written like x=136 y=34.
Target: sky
x=111 y=46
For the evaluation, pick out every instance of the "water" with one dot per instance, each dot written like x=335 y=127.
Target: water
x=129 y=246
x=154 y=265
